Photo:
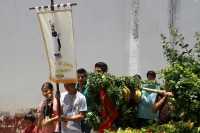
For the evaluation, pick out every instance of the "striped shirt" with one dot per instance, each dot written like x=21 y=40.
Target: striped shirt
x=164 y=116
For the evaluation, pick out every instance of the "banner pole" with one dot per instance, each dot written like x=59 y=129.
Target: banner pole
x=52 y=7
x=52 y=3
x=57 y=84
x=58 y=106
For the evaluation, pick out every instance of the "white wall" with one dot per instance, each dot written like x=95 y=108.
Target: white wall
x=155 y=19
x=99 y=36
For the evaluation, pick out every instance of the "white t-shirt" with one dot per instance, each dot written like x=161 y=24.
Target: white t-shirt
x=72 y=105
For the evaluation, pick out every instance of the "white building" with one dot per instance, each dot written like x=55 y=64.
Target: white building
x=123 y=33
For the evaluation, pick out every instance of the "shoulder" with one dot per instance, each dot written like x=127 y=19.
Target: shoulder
x=24 y=131
x=63 y=94
x=81 y=96
x=54 y=100
x=41 y=104
x=76 y=86
x=35 y=128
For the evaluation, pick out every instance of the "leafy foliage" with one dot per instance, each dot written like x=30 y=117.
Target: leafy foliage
x=171 y=127
x=127 y=115
x=113 y=87
x=183 y=79
x=183 y=76
x=93 y=115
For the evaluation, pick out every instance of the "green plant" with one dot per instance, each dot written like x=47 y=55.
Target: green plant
x=94 y=86
x=113 y=87
x=171 y=127
x=183 y=76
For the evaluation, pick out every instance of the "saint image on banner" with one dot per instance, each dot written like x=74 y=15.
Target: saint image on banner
x=58 y=35
x=56 y=41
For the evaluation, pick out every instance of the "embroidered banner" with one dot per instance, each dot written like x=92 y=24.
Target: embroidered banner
x=108 y=113
x=147 y=101
x=58 y=36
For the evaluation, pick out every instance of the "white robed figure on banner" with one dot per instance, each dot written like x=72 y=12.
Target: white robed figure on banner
x=56 y=42
x=57 y=31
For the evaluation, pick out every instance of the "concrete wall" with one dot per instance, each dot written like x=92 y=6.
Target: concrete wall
x=122 y=33
x=156 y=17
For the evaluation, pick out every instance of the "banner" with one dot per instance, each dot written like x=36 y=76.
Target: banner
x=58 y=36
x=147 y=101
x=108 y=113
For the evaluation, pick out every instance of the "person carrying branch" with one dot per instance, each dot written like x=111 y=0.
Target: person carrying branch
x=162 y=104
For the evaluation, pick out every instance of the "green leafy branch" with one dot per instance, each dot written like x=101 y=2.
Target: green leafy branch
x=183 y=76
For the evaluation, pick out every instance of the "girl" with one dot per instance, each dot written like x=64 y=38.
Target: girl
x=48 y=109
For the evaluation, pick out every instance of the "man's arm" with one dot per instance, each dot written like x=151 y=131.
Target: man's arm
x=78 y=117
x=74 y=118
x=157 y=104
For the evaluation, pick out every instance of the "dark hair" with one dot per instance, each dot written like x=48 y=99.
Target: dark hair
x=83 y=71
x=29 y=116
x=102 y=65
x=137 y=76
x=151 y=73
x=48 y=85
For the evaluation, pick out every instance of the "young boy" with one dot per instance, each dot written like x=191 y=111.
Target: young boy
x=29 y=119
x=162 y=104
x=151 y=75
x=74 y=107
x=137 y=76
x=82 y=81
x=101 y=67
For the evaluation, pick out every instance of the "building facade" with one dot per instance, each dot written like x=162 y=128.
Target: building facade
x=123 y=33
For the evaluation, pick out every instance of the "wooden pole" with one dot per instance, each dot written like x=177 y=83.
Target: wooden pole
x=57 y=85
x=52 y=3
x=151 y=90
x=52 y=7
x=58 y=106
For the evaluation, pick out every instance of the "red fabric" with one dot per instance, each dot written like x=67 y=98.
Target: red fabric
x=32 y=130
x=108 y=114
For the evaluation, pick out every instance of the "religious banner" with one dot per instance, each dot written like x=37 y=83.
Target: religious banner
x=147 y=101
x=108 y=113
x=58 y=36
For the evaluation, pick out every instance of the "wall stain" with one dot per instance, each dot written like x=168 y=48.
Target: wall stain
x=135 y=14
x=174 y=11
x=14 y=124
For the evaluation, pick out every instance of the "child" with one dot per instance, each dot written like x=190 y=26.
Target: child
x=29 y=119
x=74 y=107
x=137 y=76
x=162 y=104
x=48 y=109
x=151 y=75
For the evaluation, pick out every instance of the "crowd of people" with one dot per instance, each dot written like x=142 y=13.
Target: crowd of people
x=74 y=105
